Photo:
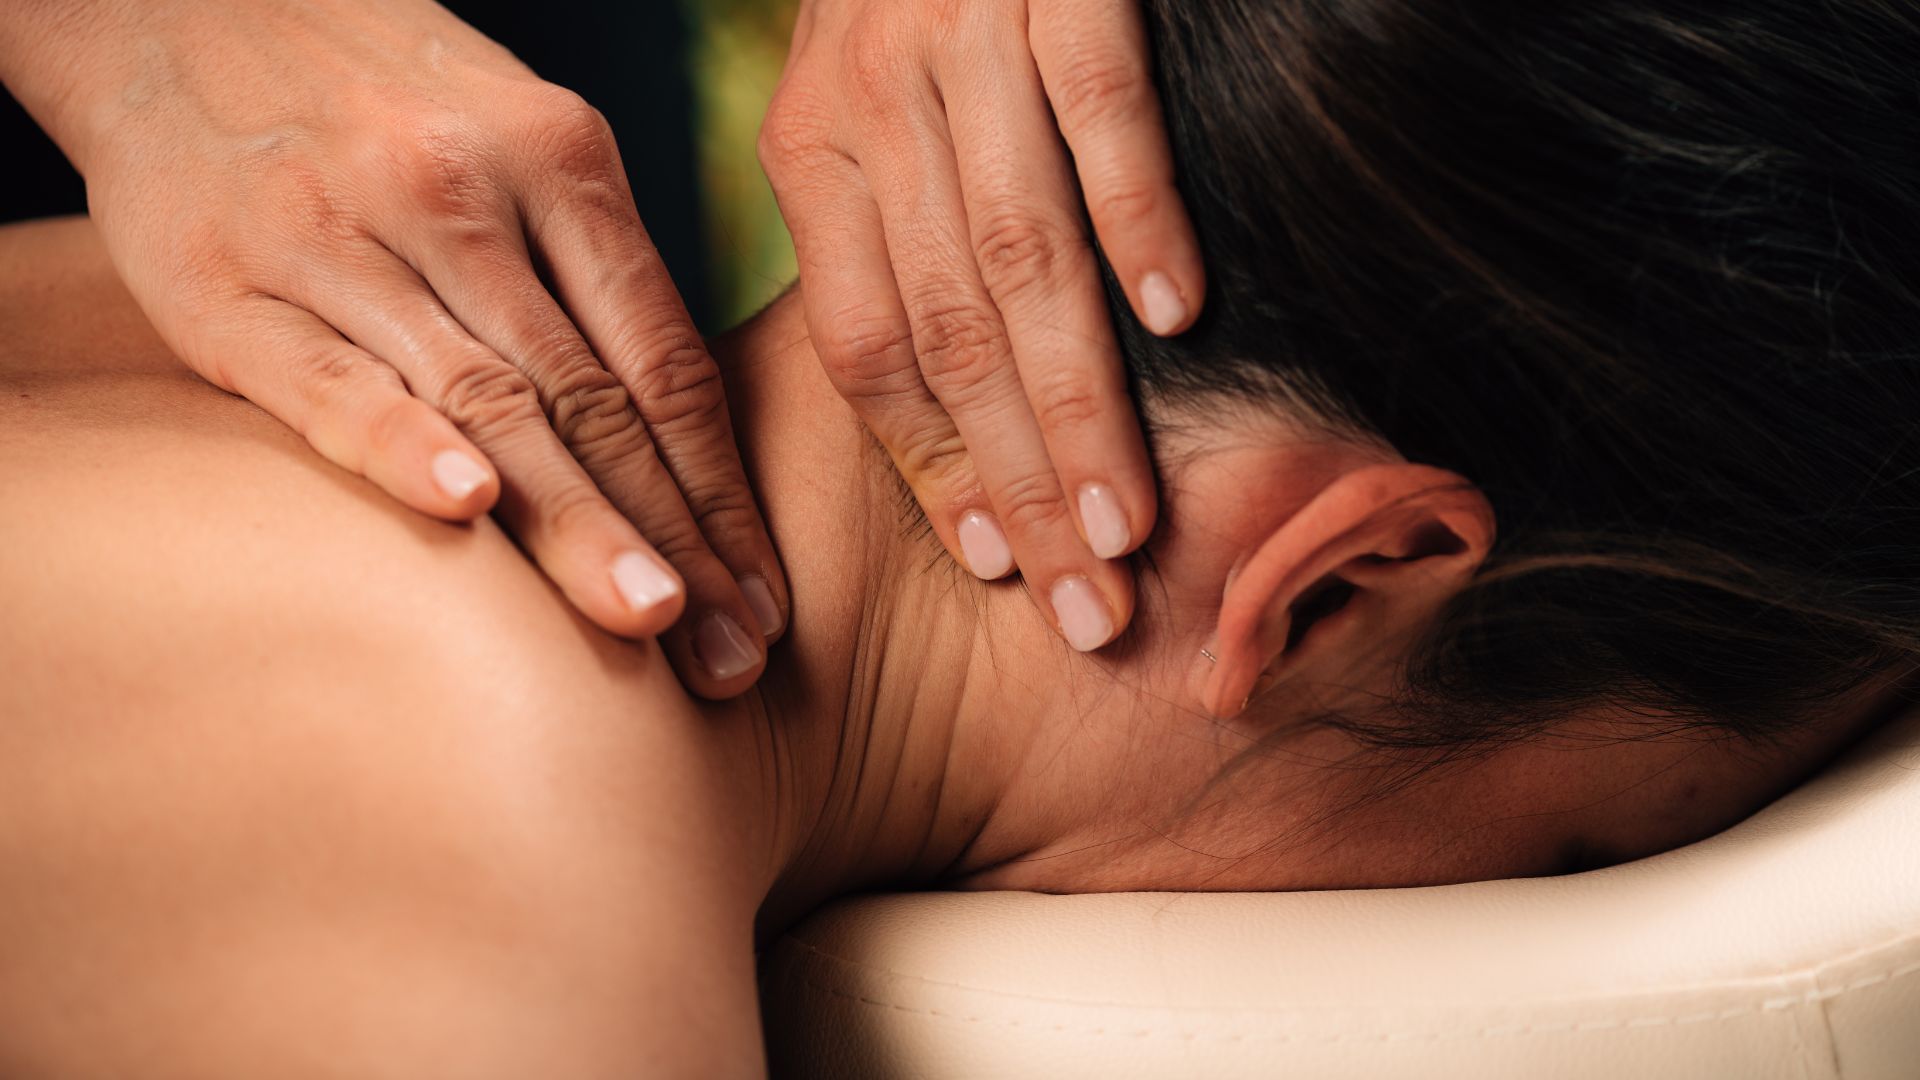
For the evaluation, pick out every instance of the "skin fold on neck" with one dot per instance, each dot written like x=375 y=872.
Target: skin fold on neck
x=860 y=739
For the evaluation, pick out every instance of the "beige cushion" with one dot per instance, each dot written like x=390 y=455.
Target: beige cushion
x=1788 y=946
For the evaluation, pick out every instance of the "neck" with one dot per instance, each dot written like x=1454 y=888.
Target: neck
x=874 y=756
x=917 y=725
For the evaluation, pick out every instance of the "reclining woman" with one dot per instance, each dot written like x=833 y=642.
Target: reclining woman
x=1540 y=491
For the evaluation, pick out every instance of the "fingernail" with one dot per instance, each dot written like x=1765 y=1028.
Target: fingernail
x=760 y=599
x=1166 y=311
x=723 y=647
x=643 y=583
x=985 y=546
x=1082 y=611
x=457 y=474
x=1106 y=524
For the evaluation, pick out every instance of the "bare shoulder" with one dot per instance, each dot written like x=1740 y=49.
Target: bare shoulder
x=280 y=758
x=170 y=546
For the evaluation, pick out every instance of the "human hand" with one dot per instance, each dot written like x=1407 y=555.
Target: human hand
x=950 y=287
x=383 y=229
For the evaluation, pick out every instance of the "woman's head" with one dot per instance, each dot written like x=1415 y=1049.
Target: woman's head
x=1552 y=398
x=1645 y=274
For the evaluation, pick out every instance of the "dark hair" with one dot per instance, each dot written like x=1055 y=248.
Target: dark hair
x=1645 y=271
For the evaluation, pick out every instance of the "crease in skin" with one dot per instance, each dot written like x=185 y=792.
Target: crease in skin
x=883 y=713
x=913 y=573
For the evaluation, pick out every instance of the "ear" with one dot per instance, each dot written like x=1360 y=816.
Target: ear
x=1369 y=558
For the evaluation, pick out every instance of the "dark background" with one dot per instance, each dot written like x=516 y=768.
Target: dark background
x=628 y=59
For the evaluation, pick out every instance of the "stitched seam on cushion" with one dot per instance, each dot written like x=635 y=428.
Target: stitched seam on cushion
x=1809 y=972
x=1495 y=1031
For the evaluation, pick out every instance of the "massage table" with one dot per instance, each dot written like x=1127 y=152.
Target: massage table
x=1786 y=948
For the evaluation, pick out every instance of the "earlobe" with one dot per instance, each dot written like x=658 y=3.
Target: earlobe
x=1402 y=536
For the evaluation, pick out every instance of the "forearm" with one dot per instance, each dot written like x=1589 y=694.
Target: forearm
x=62 y=58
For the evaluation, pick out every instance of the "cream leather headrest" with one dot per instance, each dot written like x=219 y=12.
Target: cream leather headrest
x=1788 y=946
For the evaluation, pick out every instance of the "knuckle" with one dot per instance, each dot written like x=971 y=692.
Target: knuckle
x=485 y=393
x=1097 y=89
x=1123 y=205
x=439 y=167
x=388 y=427
x=334 y=383
x=1030 y=502
x=725 y=512
x=1017 y=252
x=960 y=345
x=680 y=542
x=578 y=140
x=330 y=373
x=869 y=354
x=934 y=457
x=681 y=387
x=557 y=108
x=594 y=417
x=333 y=378
x=774 y=146
x=1065 y=401
x=795 y=126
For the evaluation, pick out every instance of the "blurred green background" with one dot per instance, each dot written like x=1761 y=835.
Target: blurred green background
x=736 y=51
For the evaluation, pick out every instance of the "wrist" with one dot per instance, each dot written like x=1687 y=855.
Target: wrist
x=65 y=61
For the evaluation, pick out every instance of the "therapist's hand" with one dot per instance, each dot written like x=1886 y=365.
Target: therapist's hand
x=383 y=229
x=917 y=150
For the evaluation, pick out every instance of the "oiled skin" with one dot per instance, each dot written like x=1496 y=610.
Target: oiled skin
x=295 y=782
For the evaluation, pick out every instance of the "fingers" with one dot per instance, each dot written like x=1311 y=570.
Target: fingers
x=351 y=407
x=593 y=553
x=965 y=357
x=1092 y=57
x=609 y=277
x=1040 y=271
x=865 y=343
x=719 y=650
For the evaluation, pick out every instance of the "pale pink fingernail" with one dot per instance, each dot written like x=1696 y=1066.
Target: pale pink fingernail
x=643 y=582
x=1106 y=523
x=1165 y=308
x=457 y=474
x=985 y=546
x=760 y=598
x=723 y=647
x=1082 y=611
